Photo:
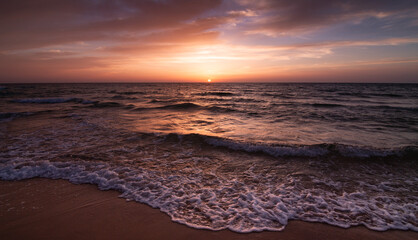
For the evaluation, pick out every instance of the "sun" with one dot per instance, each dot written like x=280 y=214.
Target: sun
x=209 y=80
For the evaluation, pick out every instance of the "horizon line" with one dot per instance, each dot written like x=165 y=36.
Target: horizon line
x=220 y=82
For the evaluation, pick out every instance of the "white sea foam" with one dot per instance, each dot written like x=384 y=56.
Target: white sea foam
x=229 y=204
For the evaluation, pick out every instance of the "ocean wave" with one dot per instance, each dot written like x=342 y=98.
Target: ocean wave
x=99 y=104
x=51 y=100
x=181 y=106
x=351 y=106
x=387 y=95
x=121 y=97
x=326 y=105
x=221 y=94
x=369 y=95
x=9 y=116
x=316 y=150
x=162 y=101
x=396 y=108
x=277 y=95
x=214 y=99
x=250 y=100
x=91 y=104
x=127 y=92
x=187 y=107
x=316 y=105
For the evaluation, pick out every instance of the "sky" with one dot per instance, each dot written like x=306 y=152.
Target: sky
x=197 y=40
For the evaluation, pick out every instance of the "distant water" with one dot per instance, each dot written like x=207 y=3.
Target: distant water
x=247 y=157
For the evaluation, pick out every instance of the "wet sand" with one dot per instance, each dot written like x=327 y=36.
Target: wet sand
x=57 y=209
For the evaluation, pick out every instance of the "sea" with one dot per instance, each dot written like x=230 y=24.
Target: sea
x=240 y=156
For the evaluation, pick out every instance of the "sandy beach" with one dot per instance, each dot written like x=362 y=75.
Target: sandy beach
x=56 y=209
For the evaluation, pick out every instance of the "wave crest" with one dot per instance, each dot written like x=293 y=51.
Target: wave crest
x=316 y=150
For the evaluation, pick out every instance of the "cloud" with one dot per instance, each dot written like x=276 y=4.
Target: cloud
x=338 y=44
x=284 y=16
x=29 y=24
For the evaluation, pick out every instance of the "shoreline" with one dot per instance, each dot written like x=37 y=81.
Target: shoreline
x=57 y=209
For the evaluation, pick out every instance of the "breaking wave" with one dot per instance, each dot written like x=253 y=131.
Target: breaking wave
x=316 y=150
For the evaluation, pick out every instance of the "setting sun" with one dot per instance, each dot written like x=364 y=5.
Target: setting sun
x=209 y=80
